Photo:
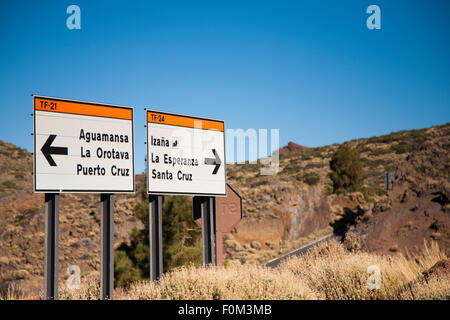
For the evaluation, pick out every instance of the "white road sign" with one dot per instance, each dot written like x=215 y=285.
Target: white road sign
x=82 y=147
x=185 y=155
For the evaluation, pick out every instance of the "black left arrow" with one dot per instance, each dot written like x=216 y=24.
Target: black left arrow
x=48 y=150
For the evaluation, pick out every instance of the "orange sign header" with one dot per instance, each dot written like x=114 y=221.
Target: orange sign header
x=184 y=121
x=82 y=108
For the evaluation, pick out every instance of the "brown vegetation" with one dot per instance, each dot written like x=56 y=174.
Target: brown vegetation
x=328 y=271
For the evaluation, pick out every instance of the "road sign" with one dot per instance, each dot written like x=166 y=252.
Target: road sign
x=389 y=180
x=227 y=214
x=185 y=155
x=82 y=147
x=228 y=211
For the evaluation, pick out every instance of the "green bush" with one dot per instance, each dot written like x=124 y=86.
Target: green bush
x=32 y=211
x=402 y=147
x=390 y=167
x=314 y=165
x=124 y=270
x=181 y=239
x=373 y=163
x=410 y=142
x=8 y=184
x=310 y=178
x=318 y=152
x=292 y=168
x=389 y=138
x=379 y=152
x=248 y=167
x=346 y=170
x=259 y=182
x=362 y=148
x=306 y=157
x=328 y=188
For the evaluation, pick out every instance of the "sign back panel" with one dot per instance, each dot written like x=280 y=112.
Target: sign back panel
x=82 y=147
x=185 y=155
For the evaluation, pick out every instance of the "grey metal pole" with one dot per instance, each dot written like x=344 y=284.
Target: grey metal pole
x=107 y=247
x=51 y=268
x=208 y=230
x=386 y=181
x=212 y=229
x=155 y=236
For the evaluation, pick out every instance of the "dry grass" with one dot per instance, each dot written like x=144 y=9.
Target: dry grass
x=435 y=289
x=89 y=289
x=328 y=271
x=250 y=282
x=335 y=273
x=13 y=293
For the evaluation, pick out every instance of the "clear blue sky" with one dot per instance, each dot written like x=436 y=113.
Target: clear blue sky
x=309 y=68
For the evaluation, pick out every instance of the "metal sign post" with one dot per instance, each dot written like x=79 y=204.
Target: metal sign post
x=180 y=163
x=226 y=215
x=155 y=236
x=107 y=246
x=208 y=230
x=81 y=146
x=51 y=246
x=389 y=180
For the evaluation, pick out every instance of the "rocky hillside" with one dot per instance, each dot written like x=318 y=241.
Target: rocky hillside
x=417 y=208
x=281 y=212
x=291 y=148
